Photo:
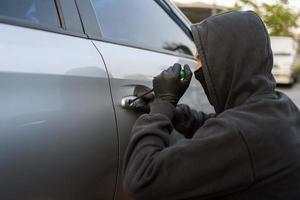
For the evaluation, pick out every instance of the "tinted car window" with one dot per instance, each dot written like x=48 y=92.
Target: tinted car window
x=36 y=11
x=143 y=23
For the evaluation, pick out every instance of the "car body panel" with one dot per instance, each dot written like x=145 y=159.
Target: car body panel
x=58 y=136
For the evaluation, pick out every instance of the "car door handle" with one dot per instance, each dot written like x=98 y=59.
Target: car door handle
x=140 y=105
x=126 y=102
x=139 y=100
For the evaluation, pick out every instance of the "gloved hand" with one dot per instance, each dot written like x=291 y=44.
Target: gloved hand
x=187 y=120
x=168 y=87
x=142 y=105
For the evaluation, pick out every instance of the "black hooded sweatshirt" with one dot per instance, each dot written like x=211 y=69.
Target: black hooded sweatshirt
x=249 y=150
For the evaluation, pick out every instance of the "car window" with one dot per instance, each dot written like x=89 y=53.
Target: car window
x=36 y=11
x=143 y=23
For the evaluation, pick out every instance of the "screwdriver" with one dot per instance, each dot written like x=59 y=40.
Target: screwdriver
x=182 y=76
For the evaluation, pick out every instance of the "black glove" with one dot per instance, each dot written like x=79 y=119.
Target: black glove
x=187 y=121
x=168 y=87
x=142 y=105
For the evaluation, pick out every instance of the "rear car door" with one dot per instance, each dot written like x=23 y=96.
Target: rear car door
x=138 y=39
x=58 y=136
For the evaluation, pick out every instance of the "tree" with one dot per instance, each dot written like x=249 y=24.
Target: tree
x=278 y=17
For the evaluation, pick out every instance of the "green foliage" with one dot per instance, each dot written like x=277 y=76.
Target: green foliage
x=278 y=17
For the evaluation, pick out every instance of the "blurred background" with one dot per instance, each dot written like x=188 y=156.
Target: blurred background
x=282 y=18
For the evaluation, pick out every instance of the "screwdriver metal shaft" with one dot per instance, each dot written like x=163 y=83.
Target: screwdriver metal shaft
x=141 y=96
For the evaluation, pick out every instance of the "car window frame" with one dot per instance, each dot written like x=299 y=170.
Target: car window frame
x=92 y=27
x=72 y=29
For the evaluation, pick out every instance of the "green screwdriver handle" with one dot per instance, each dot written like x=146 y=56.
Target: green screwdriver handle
x=182 y=74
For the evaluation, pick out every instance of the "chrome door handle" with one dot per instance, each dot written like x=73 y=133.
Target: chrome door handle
x=126 y=102
x=139 y=105
x=140 y=99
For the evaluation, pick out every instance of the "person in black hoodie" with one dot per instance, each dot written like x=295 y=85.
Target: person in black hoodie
x=249 y=149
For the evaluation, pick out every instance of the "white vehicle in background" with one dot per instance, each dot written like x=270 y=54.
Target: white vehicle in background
x=284 y=51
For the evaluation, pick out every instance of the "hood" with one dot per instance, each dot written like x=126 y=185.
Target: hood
x=236 y=56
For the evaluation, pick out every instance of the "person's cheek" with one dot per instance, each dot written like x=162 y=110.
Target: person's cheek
x=198 y=65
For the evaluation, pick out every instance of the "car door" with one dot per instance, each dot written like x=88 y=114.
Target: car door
x=138 y=39
x=58 y=137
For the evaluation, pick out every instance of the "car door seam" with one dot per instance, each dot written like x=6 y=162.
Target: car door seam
x=116 y=121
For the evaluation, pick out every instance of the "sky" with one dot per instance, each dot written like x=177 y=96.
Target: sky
x=293 y=3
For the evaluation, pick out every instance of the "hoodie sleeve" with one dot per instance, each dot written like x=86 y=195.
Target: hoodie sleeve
x=214 y=162
x=187 y=121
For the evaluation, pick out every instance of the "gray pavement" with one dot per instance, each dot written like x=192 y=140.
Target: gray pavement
x=293 y=93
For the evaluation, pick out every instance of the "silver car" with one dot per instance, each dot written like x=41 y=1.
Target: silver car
x=65 y=67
